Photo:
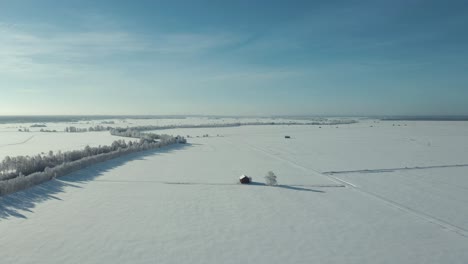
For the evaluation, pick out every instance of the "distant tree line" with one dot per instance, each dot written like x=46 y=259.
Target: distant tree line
x=124 y=132
x=18 y=173
x=151 y=127
x=108 y=122
x=48 y=130
x=133 y=133
x=72 y=129
x=99 y=128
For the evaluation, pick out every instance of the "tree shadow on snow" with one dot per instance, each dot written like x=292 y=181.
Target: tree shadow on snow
x=90 y=173
x=289 y=187
x=14 y=204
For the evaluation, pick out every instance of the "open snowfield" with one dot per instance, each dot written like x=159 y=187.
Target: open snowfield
x=371 y=192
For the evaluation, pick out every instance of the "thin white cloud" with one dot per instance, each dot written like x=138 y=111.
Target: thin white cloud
x=255 y=75
x=18 y=43
x=44 y=54
x=191 y=43
x=55 y=52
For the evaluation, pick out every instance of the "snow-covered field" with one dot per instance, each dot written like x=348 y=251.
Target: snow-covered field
x=371 y=192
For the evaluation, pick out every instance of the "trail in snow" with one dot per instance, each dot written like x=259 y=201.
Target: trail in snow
x=395 y=169
x=227 y=184
x=429 y=218
x=297 y=187
x=18 y=143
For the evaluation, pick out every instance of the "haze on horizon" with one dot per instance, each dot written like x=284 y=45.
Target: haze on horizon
x=233 y=57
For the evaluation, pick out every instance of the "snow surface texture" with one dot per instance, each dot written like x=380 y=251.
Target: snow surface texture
x=353 y=194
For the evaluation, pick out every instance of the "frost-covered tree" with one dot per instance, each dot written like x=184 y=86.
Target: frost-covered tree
x=17 y=173
x=270 y=179
x=73 y=129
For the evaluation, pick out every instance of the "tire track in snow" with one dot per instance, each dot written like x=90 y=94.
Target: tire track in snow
x=396 y=169
x=222 y=184
x=426 y=217
x=345 y=182
x=19 y=143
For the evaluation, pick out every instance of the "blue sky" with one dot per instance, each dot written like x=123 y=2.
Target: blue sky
x=234 y=57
